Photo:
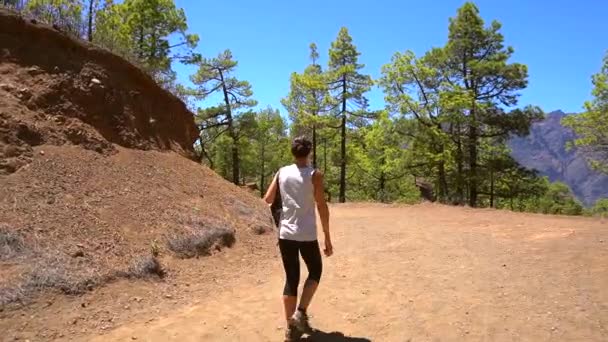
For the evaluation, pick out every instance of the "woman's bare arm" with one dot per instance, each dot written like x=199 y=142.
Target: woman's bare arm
x=272 y=191
x=317 y=180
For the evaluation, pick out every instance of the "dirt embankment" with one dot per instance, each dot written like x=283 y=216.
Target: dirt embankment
x=57 y=90
x=97 y=184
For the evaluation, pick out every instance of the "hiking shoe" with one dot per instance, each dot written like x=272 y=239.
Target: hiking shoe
x=300 y=320
x=292 y=334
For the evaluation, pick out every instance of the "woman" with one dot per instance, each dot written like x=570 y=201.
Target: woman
x=300 y=186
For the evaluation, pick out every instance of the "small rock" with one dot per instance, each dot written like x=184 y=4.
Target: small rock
x=41 y=153
x=225 y=327
x=168 y=296
x=553 y=328
x=78 y=254
x=84 y=305
x=6 y=87
x=24 y=94
x=601 y=241
x=96 y=81
x=133 y=338
x=504 y=265
x=56 y=69
x=34 y=70
x=127 y=307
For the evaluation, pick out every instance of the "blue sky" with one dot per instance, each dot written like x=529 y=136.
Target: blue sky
x=562 y=42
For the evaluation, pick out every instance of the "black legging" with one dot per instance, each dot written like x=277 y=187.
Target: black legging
x=291 y=262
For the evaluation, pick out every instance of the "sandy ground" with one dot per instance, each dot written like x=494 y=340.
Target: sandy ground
x=422 y=273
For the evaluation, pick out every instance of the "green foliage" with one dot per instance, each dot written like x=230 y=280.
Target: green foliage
x=559 y=200
x=380 y=161
x=67 y=14
x=600 y=208
x=591 y=127
x=269 y=147
x=308 y=97
x=111 y=31
x=139 y=30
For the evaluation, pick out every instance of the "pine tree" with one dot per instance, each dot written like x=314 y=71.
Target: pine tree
x=484 y=83
x=591 y=126
x=307 y=100
x=214 y=76
x=413 y=88
x=347 y=86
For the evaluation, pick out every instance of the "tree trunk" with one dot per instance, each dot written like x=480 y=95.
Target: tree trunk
x=491 y=188
x=472 y=145
x=342 y=196
x=459 y=169
x=443 y=184
x=325 y=156
x=314 y=146
x=382 y=187
x=232 y=133
x=90 y=32
x=473 y=169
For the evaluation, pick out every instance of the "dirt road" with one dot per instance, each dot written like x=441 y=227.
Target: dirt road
x=422 y=273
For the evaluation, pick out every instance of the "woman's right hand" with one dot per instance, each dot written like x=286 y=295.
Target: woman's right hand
x=329 y=249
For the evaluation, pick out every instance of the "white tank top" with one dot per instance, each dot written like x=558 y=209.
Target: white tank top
x=298 y=219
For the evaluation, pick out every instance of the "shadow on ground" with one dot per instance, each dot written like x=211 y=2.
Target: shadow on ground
x=320 y=336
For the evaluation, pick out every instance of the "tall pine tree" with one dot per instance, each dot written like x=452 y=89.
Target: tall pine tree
x=347 y=86
x=215 y=76
x=483 y=83
x=308 y=100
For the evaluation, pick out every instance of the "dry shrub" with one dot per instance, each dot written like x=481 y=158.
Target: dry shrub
x=57 y=272
x=145 y=267
x=11 y=243
x=200 y=241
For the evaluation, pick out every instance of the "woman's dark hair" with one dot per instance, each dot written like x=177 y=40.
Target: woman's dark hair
x=301 y=147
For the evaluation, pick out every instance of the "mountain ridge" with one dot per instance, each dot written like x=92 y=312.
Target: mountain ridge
x=544 y=150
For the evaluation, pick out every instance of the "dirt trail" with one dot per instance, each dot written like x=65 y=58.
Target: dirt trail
x=422 y=273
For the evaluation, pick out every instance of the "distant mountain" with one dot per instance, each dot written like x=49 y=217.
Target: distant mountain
x=545 y=150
